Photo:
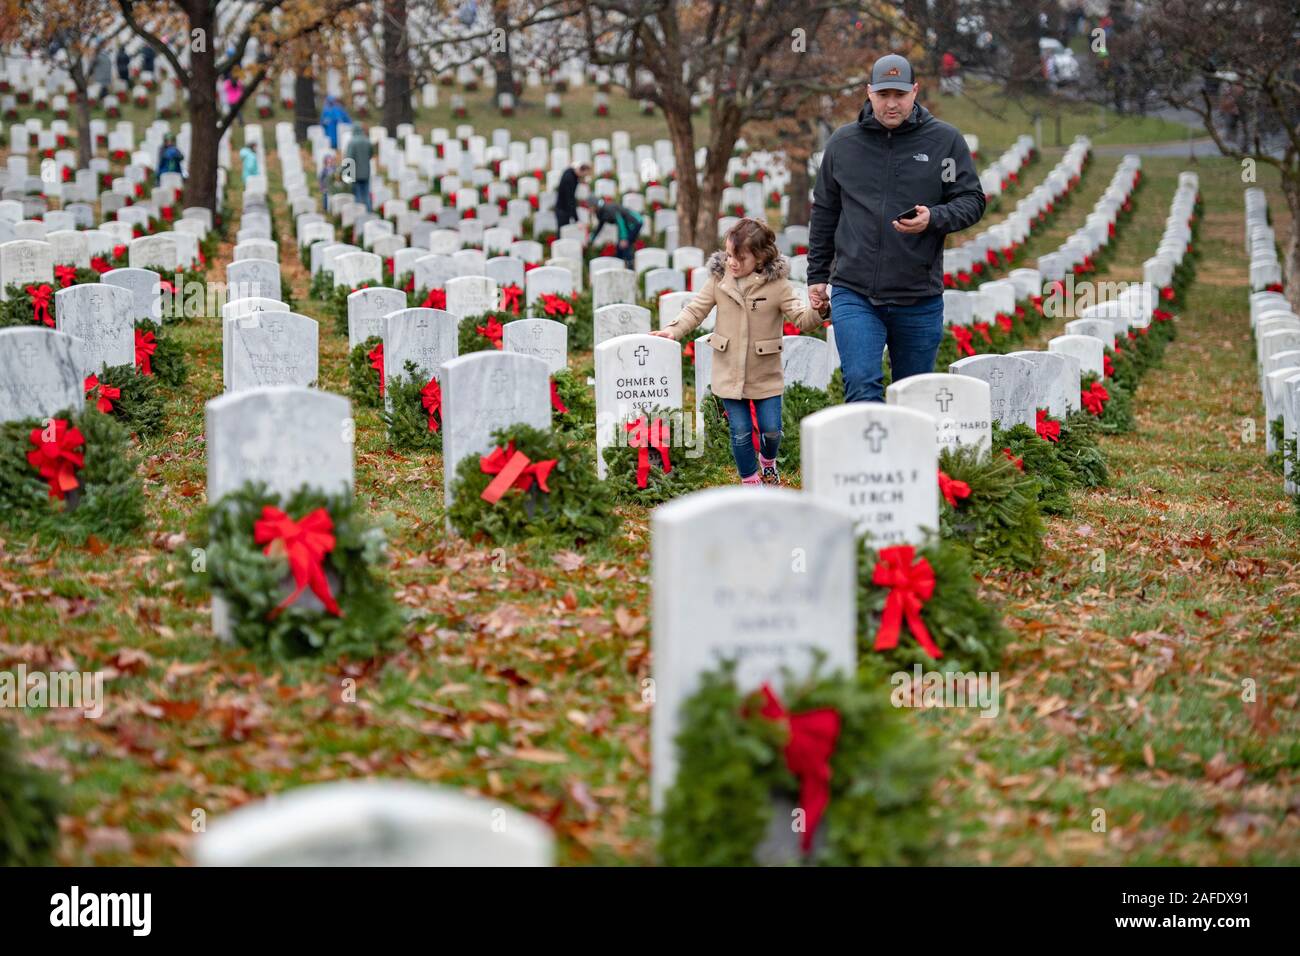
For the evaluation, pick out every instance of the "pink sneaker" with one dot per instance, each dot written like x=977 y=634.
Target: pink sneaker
x=755 y=479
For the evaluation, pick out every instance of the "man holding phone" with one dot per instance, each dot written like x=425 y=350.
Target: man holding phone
x=892 y=186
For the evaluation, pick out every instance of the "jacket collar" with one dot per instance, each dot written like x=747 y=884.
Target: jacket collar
x=918 y=118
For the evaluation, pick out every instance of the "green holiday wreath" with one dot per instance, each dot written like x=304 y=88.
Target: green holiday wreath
x=1041 y=462
x=363 y=378
x=405 y=414
x=998 y=515
x=322 y=286
x=17 y=308
x=140 y=404
x=30 y=803
x=731 y=766
x=836 y=387
x=254 y=584
x=1079 y=449
x=582 y=330
x=469 y=336
x=167 y=362
x=578 y=507
x=108 y=500
x=1117 y=408
x=689 y=469
x=965 y=626
x=184 y=295
x=578 y=422
x=1277 y=460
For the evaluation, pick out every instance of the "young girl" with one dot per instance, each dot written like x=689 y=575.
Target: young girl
x=749 y=286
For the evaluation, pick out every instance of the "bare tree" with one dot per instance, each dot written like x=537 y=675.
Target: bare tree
x=727 y=55
x=1241 y=55
x=397 y=66
x=188 y=33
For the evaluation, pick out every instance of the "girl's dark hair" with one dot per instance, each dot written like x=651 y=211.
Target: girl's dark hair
x=754 y=237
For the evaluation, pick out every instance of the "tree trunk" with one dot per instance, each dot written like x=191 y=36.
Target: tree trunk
x=201 y=185
x=677 y=114
x=85 y=142
x=397 y=66
x=503 y=64
x=722 y=143
x=799 y=212
x=304 y=102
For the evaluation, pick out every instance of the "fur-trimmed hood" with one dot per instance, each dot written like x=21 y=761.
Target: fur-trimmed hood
x=778 y=268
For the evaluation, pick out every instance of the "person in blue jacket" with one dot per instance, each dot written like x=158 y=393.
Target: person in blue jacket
x=170 y=158
x=331 y=116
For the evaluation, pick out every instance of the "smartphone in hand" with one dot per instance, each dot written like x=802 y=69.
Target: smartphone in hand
x=910 y=214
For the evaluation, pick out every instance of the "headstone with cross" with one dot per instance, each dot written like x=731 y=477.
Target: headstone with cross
x=273 y=348
x=958 y=403
x=1056 y=381
x=621 y=319
x=879 y=461
x=634 y=373
x=424 y=338
x=41 y=373
x=542 y=338
x=481 y=393
x=366 y=311
x=99 y=315
x=1011 y=386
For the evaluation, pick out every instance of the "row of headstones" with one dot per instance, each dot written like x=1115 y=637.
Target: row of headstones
x=1088 y=241
x=1276 y=328
x=1012 y=160
x=1016 y=226
x=1261 y=243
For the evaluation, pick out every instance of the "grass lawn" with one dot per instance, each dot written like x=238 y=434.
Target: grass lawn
x=520 y=675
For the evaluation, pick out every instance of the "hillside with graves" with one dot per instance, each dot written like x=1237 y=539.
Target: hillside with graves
x=393 y=508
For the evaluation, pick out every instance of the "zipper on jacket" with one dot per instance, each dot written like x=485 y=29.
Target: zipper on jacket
x=880 y=246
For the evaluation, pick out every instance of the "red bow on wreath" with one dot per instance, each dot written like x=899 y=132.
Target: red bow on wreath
x=57 y=459
x=1018 y=462
x=1004 y=322
x=910 y=585
x=991 y=257
x=492 y=331
x=689 y=350
x=41 y=303
x=953 y=491
x=1107 y=366
x=1167 y=293
x=983 y=329
x=554 y=305
x=557 y=403
x=1095 y=398
x=1048 y=430
x=513 y=469
x=644 y=436
x=436 y=299
x=808 y=752
x=106 y=393
x=305 y=544
x=66 y=275
x=119 y=252
x=512 y=298
x=376 y=356
x=963 y=337
x=1160 y=315
x=431 y=399
x=145 y=346
x=100 y=265
x=790 y=328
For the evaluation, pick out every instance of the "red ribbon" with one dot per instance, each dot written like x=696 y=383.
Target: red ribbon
x=911 y=584
x=106 y=393
x=1167 y=293
x=963 y=277
x=513 y=469
x=1095 y=398
x=376 y=356
x=145 y=346
x=512 y=298
x=953 y=491
x=119 y=252
x=66 y=275
x=1048 y=430
x=1018 y=462
x=947 y=280
x=436 y=299
x=991 y=257
x=1160 y=315
x=1107 y=366
x=41 y=303
x=689 y=350
x=790 y=328
x=983 y=329
x=305 y=543
x=1004 y=322
x=963 y=337
x=1020 y=311
x=554 y=305
x=556 y=402
x=643 y=436
x=431 y=399
x=100 y=265
x=808 y=752
x=57 y=460
x=492 y=331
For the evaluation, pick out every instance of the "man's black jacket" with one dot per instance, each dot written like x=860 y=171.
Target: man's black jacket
x=869 y=175
x=566 y=197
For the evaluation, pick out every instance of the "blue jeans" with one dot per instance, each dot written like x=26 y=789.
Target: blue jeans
x=361 y=191
x=862 y=330
x=742 y=430
x=627 y=254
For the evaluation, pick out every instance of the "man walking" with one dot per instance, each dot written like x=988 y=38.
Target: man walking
x=566 y=194
x=891 y=187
